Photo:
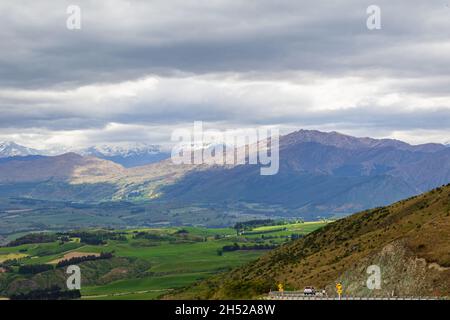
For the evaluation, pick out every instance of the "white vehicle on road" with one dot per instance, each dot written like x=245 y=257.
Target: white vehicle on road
x=309 y=291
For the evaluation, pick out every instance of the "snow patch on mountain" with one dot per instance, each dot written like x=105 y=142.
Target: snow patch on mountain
x=124 y=150
x=12 y=149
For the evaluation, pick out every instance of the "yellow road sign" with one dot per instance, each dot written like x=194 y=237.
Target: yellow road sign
x=339 y=288
x=280 y=287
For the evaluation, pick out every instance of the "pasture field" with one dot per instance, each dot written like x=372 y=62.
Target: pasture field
x=146 y=262
x=300 y=228
x=10 y=256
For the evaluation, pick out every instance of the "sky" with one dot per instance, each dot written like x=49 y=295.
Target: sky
x=137 y=70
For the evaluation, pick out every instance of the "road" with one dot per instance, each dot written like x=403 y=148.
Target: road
x=298 y=295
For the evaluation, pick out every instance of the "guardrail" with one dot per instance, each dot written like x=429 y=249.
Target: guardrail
x=298 y=295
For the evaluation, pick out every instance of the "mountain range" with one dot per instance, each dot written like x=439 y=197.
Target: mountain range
x=324 y=173
x=127 y=155
x=321 y=174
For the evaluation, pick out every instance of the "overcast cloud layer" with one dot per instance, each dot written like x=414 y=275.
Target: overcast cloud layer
x=138 y=69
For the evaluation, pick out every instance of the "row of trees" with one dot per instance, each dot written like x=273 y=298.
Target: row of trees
x=92 y=238
x=248 y=225
x=77 y=260
x=52 y=293
x=235 y=247
x=34 y=268
x=97 y=238
x=34 y=238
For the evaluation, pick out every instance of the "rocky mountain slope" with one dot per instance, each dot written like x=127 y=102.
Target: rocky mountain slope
x=409 y=241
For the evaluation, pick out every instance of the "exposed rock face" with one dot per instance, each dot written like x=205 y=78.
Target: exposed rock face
x=402 y=274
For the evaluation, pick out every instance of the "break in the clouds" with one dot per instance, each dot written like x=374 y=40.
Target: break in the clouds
x=138 y=69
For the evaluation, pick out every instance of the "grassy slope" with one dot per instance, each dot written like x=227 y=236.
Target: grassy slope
x=410 y=240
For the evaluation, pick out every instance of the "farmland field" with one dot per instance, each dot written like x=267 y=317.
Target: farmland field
x=145 y=263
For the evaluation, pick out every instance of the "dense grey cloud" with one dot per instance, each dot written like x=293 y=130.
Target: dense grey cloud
x=150 y=66
x=125 y=39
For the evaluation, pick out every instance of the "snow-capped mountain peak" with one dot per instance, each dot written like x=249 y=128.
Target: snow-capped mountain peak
x=123 y=150
x=128 y=155
x=12 y=149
